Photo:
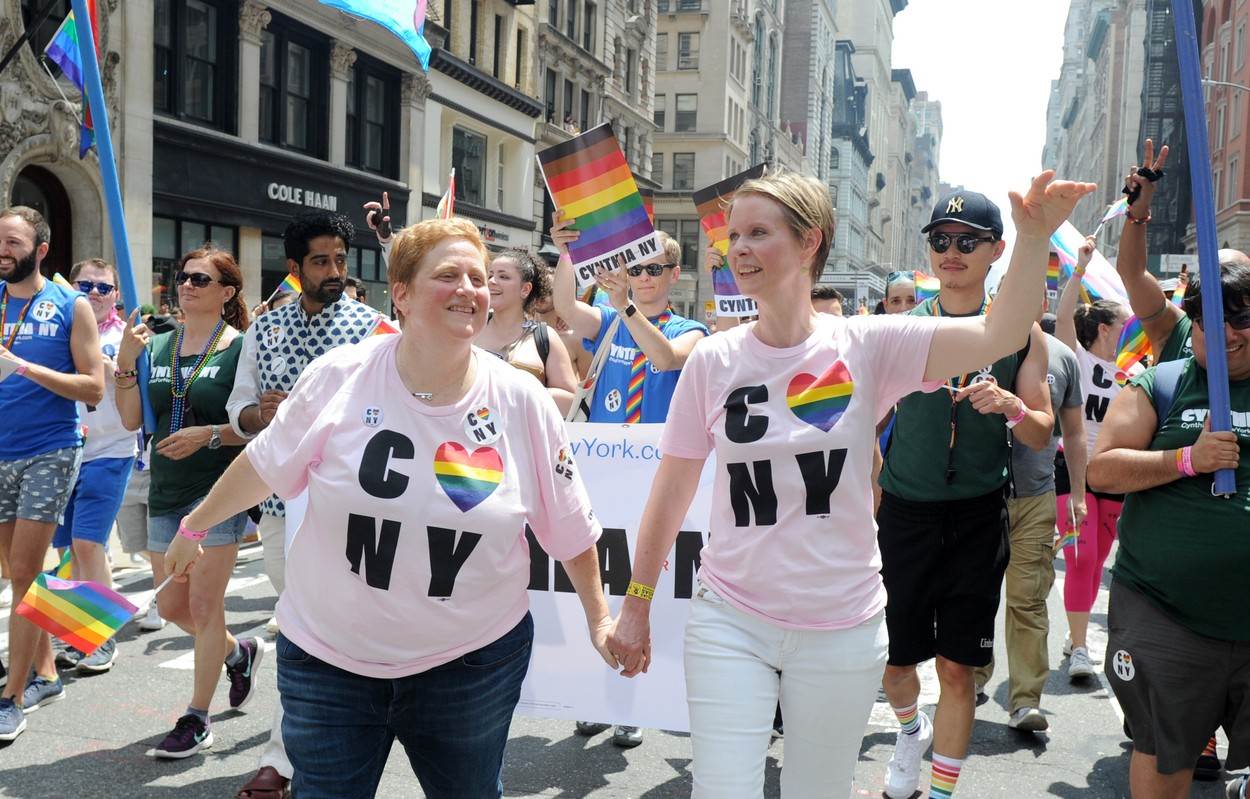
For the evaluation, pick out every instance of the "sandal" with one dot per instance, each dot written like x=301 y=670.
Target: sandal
x=266 y=784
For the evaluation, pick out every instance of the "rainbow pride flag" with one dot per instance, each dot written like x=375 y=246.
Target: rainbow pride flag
x=1101 y=281
x=589 y=180
x=1133 y=346
x=64 y=570
x=383 y=327
x=82 y=614
x=63 y=51
x=1068 y=538
x=710 y=204
x=1052 y=273
x=290 y=283
x=1119 y=208
x=927 y=286
x=1182 y=285
x=648 y=202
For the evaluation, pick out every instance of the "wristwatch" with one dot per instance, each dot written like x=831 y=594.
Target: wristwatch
x=631 y=309
x=214 y=437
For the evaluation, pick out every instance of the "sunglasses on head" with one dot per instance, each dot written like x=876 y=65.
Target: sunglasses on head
x=1237 y=321
x=198 y=279
x=87 y=286
x=964 y=242
x=655 y=270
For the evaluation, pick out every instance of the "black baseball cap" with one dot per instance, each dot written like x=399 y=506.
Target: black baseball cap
x=967 y=208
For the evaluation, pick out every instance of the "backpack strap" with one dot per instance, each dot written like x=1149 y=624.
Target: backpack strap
x=1167 y=379
x=542 y=340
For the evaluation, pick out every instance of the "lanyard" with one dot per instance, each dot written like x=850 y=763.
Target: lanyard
x=956 y=384
x=4 y=308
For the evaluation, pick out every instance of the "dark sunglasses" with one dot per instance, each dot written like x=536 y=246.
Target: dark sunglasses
x=965 y=242
x=198 y=279
x=655 y=270
x=1237 y=321
x=86 y=287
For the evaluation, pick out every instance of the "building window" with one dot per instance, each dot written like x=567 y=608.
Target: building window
x=448 y=5
x=585 y=118
x=294 y=86
x=772 y=77
x=373 y=117
x=683 y=171
x=835 y=159
x=474 y=8
x=757 y=65
x=194 y=57
x=687 y=51
x=658 y=114
x=172 y=238
x=630 y=68
x=588 y=27
x=550 y=95
x=520 y=55
x=1236 y=115
x=686 y=233
x=1234 y=181
x=568 y=100
x=686 y=118
x=661 y=52
x=1218 y=137
x=570 y=21
x=657 y=168
x=497 y=68
x=1241 y=46
x=40 y=36
x=499 y=177
x=468 y=158
x=553 y=13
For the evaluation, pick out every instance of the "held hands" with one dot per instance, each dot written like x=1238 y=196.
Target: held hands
x=181 y=556
x=134 y=339
x=616 y=285
x=630 y=639
x=1215 y=451
x=1048 y=202
x=561 y=234
x=269 y=402
x=1085 y=254
x=599 y=632
x=1142 y=186
x=988 y=397
x=185 y=443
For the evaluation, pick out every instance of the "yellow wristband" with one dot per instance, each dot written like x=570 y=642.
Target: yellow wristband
x=641 y=591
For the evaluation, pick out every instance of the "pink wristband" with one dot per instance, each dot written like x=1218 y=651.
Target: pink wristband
x=20 y=371
x=187 y=532
x=1019 y=417
x=1187 y=462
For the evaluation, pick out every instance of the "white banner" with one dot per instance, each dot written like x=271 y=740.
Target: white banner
x=567 y=679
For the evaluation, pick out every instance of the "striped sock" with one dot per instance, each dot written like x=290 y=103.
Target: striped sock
x=908 y=718
x=1210 y=750
x=945 y=775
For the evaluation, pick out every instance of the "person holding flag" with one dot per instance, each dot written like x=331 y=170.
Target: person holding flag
x=50 y=359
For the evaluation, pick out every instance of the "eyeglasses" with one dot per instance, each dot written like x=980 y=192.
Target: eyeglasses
x=198 y=279
x=87 y=286
x=655 y=270
x=1237 y=321
x=965 y=242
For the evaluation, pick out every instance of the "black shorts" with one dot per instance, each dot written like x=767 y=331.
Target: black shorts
x=943 y=566
x=1174 y=685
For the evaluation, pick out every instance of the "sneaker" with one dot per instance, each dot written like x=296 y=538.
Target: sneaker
x=1234 y=790
x=1067 y=645
x=6 y=594
x=100 y=660
x=188 y=736
x=1028 y=719
x=4 y=676
x=41 y=691
x=68 y=658
x=626 y=737
x=902 y=775
x=243 y=676
x=589 y=728
x=271 y=626
x=12 y=720
x=152 y=620
x=1079 y=665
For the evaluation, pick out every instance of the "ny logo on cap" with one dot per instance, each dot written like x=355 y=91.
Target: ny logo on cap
x=955 y=206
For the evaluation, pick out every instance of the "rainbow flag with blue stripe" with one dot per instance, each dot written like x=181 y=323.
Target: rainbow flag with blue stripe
x=63 y=51
x=1133 y=346
x=927 y=286
x=404 y=18
x=83 y=614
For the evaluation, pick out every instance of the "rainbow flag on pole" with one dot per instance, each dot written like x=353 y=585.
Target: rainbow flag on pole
x=1182 y=285
x=290 y=284
x=63 y=51
x=589 y=180
x=927 y=286
x=82 y=614
x=1101 y=281
x=383 y=327
x=1119 y=208
x=648 y=202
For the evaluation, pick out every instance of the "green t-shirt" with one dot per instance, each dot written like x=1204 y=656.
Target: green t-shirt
x=176 y=484
x=1184 y=549
x=1180 y=341
x=916 y=462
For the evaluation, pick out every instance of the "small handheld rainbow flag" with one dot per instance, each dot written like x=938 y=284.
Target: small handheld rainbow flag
x=1182 y=285
x=1119 y=208
x=710 y=204
x=289 y=284
x=1052 y=273
x=383 y=327
x=927 y=286
x=1133 y=346
x=82 y=614
x=648 y=202
x=447 y=204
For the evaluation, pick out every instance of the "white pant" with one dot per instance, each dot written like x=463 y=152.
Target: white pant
x=275 y=751
x=737 y=668
x=272 y=530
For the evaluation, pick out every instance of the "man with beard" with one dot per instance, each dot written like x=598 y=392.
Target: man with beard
x=277 y=348
x=49 y=359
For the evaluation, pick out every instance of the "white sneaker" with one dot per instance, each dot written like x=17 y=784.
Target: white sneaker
x=1028 y=719
x=6 y=594
x=902 y=775
x=1067 y=645
x=1079 y=665
x=271 y=626
x=152 y=620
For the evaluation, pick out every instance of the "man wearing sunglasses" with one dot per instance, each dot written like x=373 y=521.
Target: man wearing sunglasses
x=108 y=456
x=277 y=348
x=49 y=361
x=943 y=519
x=629 y=390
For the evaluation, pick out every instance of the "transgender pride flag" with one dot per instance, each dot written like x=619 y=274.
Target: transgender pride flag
x=404 y=18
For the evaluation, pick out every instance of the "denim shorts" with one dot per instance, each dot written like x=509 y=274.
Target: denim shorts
x=163 y=528
x=38 y=488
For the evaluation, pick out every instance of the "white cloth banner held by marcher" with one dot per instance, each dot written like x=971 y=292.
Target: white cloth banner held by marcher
x=567 y=678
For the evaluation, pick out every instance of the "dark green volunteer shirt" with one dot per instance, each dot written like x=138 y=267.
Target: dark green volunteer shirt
x=1184 y=549
x=915 y=463
x=1180 y=341
x=176 y=484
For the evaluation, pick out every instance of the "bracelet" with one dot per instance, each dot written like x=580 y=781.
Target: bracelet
x=120 y=375
x=187 y=532
x=20 y=371
x=1019 y=417
x=1137 y=220
x=1185 y=462
x=644 y=592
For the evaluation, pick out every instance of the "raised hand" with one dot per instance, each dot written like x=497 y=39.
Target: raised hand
x=378 y=217
x=561 y=234
x=1046 y=205
x=1140 y=188
x=615 y=284
x=1085 y=254
x=712 y=259
x=134 y=339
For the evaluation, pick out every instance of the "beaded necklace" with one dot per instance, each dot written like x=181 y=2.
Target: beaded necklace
x=179 y=388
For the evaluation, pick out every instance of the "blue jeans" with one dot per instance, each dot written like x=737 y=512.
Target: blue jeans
x=452 y=721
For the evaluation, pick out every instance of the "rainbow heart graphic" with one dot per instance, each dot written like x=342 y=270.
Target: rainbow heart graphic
x=467 y=479
x=821 y=401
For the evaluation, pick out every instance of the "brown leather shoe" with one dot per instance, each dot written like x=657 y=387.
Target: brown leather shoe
x=266 y=784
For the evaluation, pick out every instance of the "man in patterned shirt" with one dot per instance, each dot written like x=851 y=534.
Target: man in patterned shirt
x=276 y=349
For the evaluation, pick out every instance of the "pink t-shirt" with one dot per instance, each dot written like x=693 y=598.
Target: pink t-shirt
x=792 y=536
x=412 y=551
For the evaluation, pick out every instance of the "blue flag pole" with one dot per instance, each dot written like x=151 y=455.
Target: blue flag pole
x=112 y=188
x=1204 y=223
